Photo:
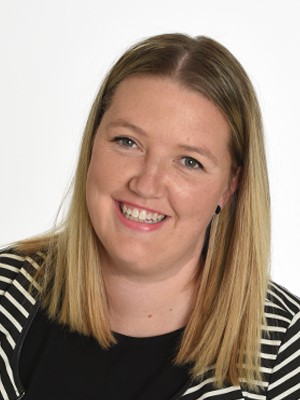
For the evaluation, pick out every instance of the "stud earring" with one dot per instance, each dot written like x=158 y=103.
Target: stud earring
x=218 y=210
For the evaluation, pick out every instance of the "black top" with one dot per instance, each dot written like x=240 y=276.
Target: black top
x=57 y=364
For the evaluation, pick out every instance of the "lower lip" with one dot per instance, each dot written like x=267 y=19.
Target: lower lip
x=138 y=226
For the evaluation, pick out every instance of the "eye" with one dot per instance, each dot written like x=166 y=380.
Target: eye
x=191 y=163
x=124 y=141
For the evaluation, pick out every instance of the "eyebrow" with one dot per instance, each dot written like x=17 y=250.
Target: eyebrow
x=199 y=150
x=124 y=124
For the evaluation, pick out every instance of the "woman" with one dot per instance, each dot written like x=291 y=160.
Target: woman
x=156 y=285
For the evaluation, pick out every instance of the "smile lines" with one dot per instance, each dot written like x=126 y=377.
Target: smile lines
x=141 y=215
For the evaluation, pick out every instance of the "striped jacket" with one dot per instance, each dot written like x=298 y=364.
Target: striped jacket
x=280 y=348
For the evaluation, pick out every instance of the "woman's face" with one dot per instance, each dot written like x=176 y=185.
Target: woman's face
x=160 y=165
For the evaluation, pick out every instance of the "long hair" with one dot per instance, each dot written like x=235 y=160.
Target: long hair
x=224 y=329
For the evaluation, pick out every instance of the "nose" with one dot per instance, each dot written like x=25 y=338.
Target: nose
x=148 y=181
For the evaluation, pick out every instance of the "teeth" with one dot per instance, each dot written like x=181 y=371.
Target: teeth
x=141 y=215
x=135 y=213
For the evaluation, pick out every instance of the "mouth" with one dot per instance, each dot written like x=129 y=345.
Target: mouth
x=141 y=215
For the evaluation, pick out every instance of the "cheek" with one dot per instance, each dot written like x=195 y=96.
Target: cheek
x=91 y=195
x=107 y=170
x=96 y=186
x=96 y=200
x=92 y=181
x=99 y=176
x=198 y=200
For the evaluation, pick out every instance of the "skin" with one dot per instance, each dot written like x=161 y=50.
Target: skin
x=145 y=155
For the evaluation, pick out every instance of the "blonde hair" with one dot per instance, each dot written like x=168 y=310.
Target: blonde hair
x=224 y=329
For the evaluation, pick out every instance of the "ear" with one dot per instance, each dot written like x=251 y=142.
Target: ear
x=232 y=187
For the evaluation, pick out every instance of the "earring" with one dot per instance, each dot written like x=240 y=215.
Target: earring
x=218 y=210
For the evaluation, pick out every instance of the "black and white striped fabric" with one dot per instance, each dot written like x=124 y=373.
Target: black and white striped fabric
x=280 y=344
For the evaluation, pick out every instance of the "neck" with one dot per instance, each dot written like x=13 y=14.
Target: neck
x=142 y=307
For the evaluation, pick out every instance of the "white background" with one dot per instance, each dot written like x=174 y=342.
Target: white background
x=53 y=55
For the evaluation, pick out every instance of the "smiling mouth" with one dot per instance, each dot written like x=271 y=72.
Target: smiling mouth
x=140 y=215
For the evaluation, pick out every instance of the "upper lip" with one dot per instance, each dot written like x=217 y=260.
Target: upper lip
x=139 y=207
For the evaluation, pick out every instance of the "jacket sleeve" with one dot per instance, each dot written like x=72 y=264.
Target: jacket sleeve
x=8 y=270
x=285 y=381
x=17 y=301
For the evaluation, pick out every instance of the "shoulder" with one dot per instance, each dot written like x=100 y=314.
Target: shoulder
x=19 y=290
x=18 y=269
x=282 y=299
x=282 y=311
x=282 y=308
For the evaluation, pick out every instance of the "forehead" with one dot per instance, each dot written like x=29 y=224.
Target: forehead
x=140 y=96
